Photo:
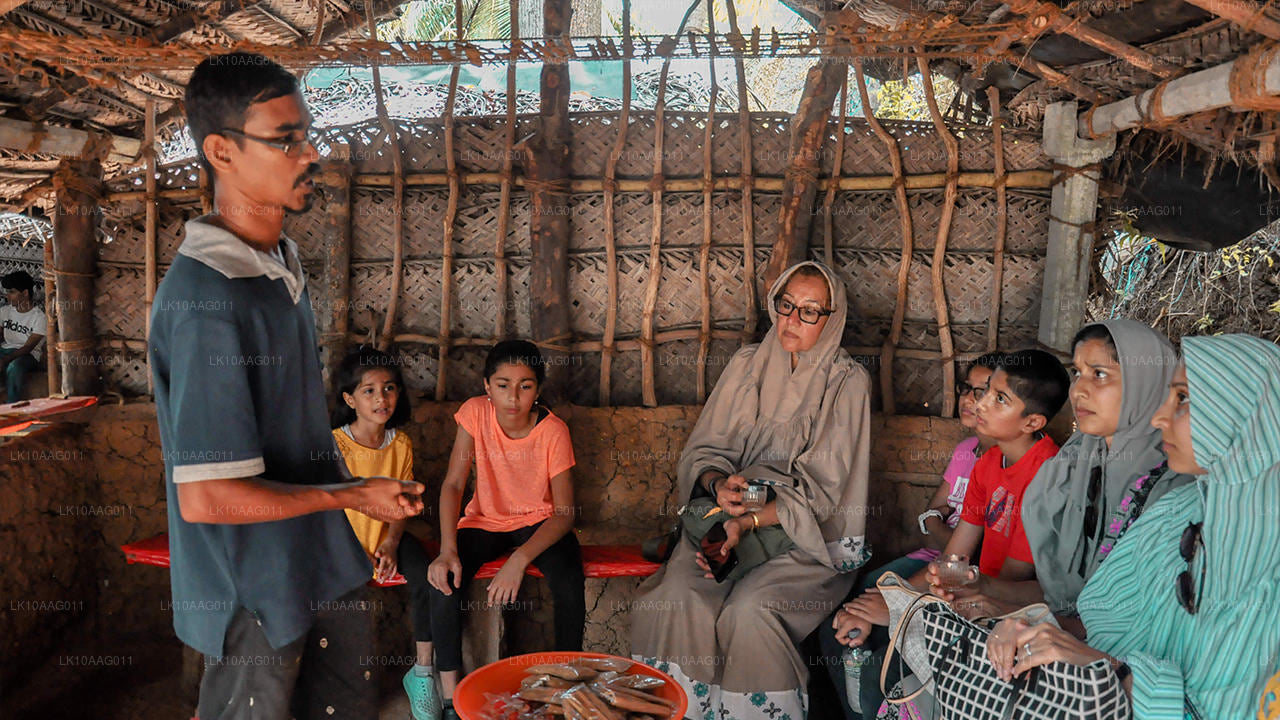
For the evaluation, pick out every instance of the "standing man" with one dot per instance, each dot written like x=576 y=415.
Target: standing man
x=267 y=575
x=22 y=330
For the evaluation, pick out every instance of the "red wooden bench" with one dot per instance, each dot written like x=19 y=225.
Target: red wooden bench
x=598 y=561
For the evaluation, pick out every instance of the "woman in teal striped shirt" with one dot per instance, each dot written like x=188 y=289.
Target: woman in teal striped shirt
x=1187 y=606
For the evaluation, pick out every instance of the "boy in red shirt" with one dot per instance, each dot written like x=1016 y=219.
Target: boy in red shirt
x=1025 y=391
x=1020 y=399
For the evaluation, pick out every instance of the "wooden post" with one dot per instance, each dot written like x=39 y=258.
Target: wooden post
x=78 y=185
x=752 y=309
x=607 y=349
x=1002 y=221
x=1073 y=208
x=828 y=224
x=149 y=251
x=397 y=188
x=51 y=354
x=648 y=391
x=546 y=177
x=808 y=133
x=890 y=346
x=336 y=185
x=504 y=197
x=704 y=254
x=940 y=246
x=450 y=218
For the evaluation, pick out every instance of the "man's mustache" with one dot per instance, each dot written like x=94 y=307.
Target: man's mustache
x=312 y=170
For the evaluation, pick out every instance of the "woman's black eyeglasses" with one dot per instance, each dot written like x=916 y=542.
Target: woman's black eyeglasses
x=965 y=388
x=291 y=148
x=808 y=315
x=1188 y=589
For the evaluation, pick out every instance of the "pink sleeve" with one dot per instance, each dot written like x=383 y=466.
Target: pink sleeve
x=468 y=416
x=560 y=451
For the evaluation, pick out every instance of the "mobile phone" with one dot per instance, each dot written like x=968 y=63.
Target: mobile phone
x=712 y=542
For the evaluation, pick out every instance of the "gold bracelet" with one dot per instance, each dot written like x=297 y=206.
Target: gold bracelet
x=755 y=519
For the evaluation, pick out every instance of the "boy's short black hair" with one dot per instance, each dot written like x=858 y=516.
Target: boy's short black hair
x=1039 y=381
x=18 y=280
x=516 y=352
x=351 y=372
x=223 y=87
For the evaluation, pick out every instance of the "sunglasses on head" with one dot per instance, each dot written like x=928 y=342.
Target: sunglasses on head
x=1188 y=588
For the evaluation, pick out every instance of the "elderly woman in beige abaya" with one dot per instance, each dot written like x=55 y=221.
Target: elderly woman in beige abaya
x=791 y=412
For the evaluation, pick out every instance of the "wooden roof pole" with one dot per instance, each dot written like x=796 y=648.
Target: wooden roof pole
x=1251 y=81
x=1246 y=13
x=809 y=131
x=31 y=137
x=1043 y=17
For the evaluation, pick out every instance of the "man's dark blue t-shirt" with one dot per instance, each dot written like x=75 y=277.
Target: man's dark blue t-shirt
x=239 y=394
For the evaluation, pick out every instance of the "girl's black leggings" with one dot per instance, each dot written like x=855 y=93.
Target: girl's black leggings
x=561 y=564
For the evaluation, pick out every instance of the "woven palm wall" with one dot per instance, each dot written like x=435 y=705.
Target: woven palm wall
x=866 y=244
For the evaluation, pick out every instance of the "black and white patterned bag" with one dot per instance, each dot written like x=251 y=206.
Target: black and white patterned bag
x=966 y=686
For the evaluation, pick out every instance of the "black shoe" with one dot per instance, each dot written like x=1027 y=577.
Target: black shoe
x=449 y=713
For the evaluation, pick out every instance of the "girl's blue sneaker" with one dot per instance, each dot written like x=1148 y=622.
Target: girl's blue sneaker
x=424 y=702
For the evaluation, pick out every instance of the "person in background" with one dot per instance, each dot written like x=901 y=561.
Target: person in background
x=24 y=327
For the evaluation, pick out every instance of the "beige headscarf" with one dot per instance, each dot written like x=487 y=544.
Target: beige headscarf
x=805 y=432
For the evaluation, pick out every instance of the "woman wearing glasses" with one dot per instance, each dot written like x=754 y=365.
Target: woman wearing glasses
x=789 y=416
x=1187 y=606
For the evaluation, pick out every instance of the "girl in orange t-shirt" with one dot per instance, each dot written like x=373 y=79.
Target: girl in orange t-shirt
x=523 y=504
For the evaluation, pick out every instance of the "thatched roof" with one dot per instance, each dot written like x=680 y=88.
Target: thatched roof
x=91 y=66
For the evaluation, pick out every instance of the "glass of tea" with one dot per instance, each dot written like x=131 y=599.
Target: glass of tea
x=754 y=497
x=953 y=571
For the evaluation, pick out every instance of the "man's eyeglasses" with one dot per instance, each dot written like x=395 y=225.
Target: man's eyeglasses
x=291 y=148
x=809 y=315
x=965 y=388
x=1188 y=589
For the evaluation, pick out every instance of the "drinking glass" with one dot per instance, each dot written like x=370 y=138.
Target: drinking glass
x=754 y=497
x=953 y=571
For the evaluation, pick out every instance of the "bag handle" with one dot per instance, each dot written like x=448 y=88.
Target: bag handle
x=895 y=637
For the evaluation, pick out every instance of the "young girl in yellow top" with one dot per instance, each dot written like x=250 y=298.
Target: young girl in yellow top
x=371 y=405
